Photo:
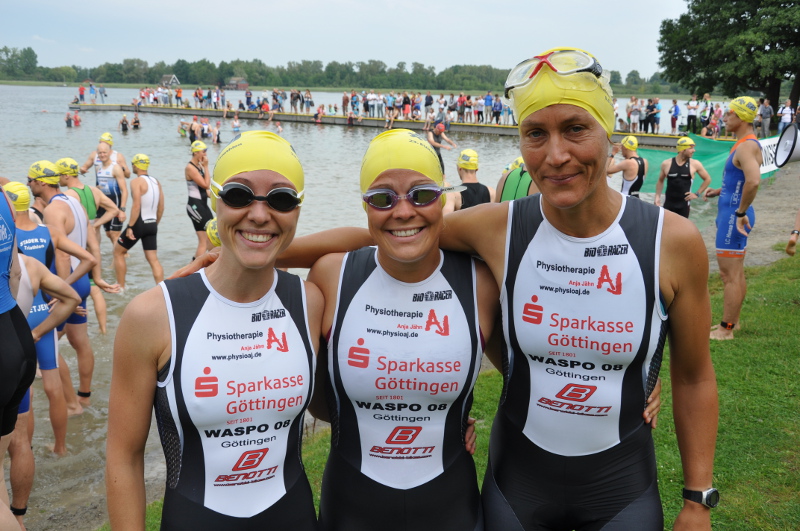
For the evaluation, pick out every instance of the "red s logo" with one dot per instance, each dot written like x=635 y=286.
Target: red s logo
x=206 y=386
x=357 y=356
x=532 y=312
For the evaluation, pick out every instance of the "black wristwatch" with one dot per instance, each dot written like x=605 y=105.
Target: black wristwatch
x=122 y=209
x=709 y=498
x=743 y=214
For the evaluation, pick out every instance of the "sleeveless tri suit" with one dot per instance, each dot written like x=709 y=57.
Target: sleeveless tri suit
x=78 y=236
x=584 y=331
x=730 y=243
x=679 y=181
x=18 y=359
x=402 y=361
x=230 y=405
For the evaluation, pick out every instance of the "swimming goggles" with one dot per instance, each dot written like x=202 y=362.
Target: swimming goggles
x=561 y=62
x=423 y=195
x=237 y=195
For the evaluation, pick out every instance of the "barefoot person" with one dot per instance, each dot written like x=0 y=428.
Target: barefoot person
x=39 y=242
x=736 y=216
x=233 y=460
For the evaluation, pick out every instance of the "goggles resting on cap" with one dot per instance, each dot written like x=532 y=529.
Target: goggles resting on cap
x=561 y=62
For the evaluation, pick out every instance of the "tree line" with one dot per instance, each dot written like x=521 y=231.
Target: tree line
x=23 y=65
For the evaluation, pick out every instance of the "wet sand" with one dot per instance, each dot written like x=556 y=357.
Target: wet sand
x=69 y=493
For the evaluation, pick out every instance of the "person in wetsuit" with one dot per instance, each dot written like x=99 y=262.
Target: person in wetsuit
x=633 y=167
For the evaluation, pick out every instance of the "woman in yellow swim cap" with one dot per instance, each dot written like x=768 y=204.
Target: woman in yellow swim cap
x=227 y=358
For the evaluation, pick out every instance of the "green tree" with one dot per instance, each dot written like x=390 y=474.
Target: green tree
x=738 y=45
x=616 y=77
x=633 y=79
x=28 y=61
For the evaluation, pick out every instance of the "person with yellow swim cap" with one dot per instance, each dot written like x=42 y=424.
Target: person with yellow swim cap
x=633 y=167
x=198 y=181
x=94 y=201
x=123 y=124
x=476 y=193
x=515 y=182
x=580 y=250
x=679 y=172
x=146 y=212
x=401 y=190
x=736 y=216
x=237 y=320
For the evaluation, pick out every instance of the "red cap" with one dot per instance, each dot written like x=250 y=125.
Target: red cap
x=194 y=118
x=440 y=127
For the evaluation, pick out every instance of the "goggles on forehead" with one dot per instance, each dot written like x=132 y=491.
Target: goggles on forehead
x=561 y=62
x=237 y=195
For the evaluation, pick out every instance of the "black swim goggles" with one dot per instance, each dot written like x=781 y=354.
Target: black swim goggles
x=422 y=195
x=237 y=195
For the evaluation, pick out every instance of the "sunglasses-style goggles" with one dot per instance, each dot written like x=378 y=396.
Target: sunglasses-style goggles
x=419 y=196
x=237 y=195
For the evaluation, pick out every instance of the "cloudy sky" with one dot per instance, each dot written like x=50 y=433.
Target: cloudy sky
x=439 y=33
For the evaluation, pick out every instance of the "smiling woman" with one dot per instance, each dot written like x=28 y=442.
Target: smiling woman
x=231 y=435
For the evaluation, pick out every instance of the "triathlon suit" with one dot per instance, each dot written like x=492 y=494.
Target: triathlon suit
x=679 y=181
x=402 y=361
x=230 y=405
x=18 y=359
x=38 y=244
x=730 y=242
x=25 y=302
x=124 y=125
x=135 y=123
x=77 y=236
x=110 y=187
x=584 y=331
x=146 y=227
x=518 y=183
x=192 y=136
x=475 y=194
x=633 y=187
x=86 y=198
x=197 y=208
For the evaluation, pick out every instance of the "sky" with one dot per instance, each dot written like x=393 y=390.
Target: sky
x=439 y=33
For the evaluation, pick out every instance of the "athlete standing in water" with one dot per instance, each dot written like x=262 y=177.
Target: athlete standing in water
x=227 y=363
x=589 y=281
x=198 y=180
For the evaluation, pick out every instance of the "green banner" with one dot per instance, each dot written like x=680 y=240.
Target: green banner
x=712 y=153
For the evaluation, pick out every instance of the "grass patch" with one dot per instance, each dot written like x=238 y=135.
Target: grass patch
x=757 y=468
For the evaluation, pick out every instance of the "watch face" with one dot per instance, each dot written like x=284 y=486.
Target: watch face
x=712 y=497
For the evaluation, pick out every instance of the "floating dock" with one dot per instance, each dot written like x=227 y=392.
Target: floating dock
x=661 y=141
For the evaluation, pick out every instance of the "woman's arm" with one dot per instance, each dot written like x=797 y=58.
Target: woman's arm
x=137 y=357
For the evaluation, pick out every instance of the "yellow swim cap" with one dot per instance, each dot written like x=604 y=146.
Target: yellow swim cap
x=745 y=108
x=213 y=233
x=67 y=166
x=19 y=195
x=257 y=150
x=107 y=138
x=399 y=149
x=581 y=89
x=44 y=171
x=685 y=143
x=468 y=159
x=198 y=145
x=519 y=161
x=141 y=161
x=630 y=142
